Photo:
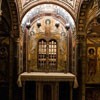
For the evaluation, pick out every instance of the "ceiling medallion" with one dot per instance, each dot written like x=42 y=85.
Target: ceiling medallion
x=47 y=21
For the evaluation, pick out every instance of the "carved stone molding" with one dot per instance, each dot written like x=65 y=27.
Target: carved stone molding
x=14 y=16
x=80 y=38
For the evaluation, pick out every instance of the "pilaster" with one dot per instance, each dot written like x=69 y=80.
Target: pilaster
x=11 y=64
x=81 y=62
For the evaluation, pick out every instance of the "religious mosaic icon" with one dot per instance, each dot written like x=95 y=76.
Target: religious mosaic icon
x=92 y=63
x=47 y=21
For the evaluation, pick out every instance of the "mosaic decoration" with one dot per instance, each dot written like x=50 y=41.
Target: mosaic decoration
x=48 y=9
x=93 y=65
x=69 y=2
x=4 y=62
x=47 y=31
x=14 y=19
x=93 y=59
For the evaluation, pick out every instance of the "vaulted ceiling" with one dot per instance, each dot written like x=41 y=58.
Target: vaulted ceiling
x=76 y=8
x=72 y=6
x=66 y=9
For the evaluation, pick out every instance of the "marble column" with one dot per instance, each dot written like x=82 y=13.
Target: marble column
x=81 y=63
x=83 y=66
x=11 y=64
x=74 y=53
x=18 y=55
x=25 y=47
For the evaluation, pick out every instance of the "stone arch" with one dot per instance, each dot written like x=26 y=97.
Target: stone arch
x=84 y=13
x=8 y=35
x=82 y=16
x=65 y=6
x=14 y=18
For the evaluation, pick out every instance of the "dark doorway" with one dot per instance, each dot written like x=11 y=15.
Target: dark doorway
x=47 y=92
x=30 y=90
x=64 y=91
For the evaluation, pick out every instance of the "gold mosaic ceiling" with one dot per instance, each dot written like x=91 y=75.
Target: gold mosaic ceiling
x=70 y=5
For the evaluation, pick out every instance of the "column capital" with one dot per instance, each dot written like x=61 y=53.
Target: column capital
x=80 y=37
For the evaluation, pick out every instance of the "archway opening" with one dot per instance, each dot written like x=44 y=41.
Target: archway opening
x=48 y=21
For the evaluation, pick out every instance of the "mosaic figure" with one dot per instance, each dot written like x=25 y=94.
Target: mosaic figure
x=92 y=63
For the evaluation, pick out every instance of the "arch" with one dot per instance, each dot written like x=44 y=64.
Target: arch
x=82 y=17
x=36 y=11
x=88 y=13
x=34 y=4
x=42 y=39
x=62 y=7
x=14 y=18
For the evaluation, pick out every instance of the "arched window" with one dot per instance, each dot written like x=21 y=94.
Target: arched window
x=47 y=55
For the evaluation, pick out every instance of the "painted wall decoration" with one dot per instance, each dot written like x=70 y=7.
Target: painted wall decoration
x=4 y=62
x=93 y=57
x=33 y=45
x=93 y=65
x=50 y=32
x=98 y=60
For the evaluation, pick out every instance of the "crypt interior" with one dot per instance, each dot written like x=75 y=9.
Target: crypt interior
x=49 y=49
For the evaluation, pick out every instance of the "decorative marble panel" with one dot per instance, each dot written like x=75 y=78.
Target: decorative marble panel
x=93 y=93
